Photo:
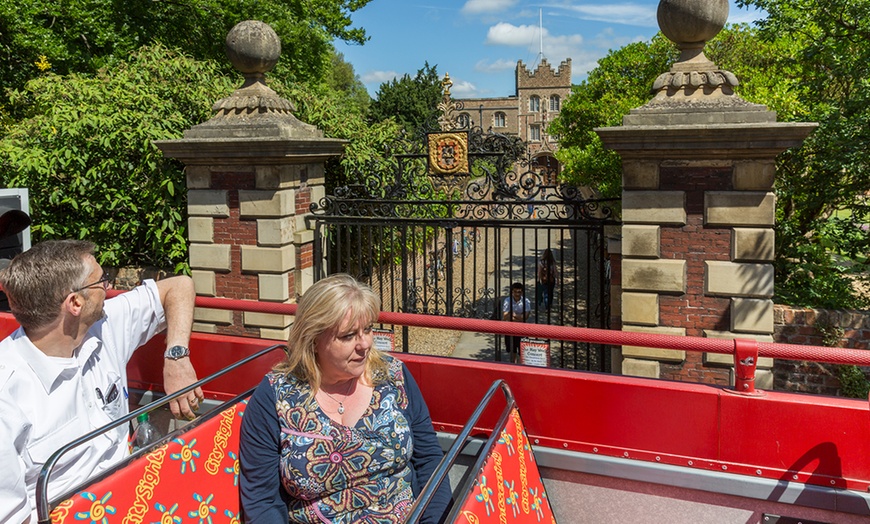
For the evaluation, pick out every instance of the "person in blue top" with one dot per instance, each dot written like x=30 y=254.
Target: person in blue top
x=337 y=431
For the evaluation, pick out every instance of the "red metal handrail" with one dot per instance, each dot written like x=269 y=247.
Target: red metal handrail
x=576 y=334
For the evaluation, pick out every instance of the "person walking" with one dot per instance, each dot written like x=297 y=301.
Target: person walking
x=548 y=275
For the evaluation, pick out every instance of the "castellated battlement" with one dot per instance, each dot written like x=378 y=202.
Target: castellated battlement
x=544 y=75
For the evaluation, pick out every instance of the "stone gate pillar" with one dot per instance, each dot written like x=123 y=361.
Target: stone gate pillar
x=252 y=171
x=698 y=207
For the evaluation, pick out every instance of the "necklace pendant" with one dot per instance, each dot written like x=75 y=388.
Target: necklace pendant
x=340 y=408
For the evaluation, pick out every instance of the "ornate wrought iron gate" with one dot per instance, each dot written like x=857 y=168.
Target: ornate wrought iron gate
x=437 y=242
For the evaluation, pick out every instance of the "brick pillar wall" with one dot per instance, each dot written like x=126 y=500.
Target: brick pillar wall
x=252 y=171
x=249 y=241
x=697 y=244
x=698 y=211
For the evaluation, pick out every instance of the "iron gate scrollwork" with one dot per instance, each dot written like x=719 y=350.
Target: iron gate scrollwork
x=444 y=242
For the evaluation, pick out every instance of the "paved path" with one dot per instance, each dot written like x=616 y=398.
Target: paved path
x=481 y=346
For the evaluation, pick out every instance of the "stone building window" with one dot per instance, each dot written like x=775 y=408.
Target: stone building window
x=554 y=102
x=464 y=120
x=535 y=133
x=534 y=103
x=499 y=120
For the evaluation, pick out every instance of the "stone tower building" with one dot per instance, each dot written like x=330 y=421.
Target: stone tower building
x=538 y=98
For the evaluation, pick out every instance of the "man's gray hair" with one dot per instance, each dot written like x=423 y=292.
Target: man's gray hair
x=38 y=280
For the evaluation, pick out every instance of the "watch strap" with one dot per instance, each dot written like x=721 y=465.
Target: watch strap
x=176 y=352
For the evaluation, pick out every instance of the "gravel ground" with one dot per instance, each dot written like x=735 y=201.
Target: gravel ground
x=438 y=342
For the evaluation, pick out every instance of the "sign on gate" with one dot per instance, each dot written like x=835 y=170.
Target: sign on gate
x=384 y=339
x=535 y=352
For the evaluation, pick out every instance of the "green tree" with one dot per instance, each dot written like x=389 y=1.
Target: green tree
x=85 y=150
x=341 y=78
x=823 y=207
x=413 y=102
x=621 y=82
x=82 y=36
x=366 y=156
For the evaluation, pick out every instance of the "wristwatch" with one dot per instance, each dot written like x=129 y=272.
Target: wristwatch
x=176 y=352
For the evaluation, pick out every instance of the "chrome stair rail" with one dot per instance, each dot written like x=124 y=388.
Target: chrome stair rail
x=450 y=457
x=43 y=512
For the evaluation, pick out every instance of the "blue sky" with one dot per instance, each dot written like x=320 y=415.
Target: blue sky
x=479 y=41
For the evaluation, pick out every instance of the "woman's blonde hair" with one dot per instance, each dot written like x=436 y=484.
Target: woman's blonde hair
x=322 y=308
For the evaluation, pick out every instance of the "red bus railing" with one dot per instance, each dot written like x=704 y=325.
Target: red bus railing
x=745 y=351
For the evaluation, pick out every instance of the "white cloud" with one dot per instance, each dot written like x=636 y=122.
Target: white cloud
x=562 y=46
x=463 y=88
x=486 y=6
x=379 y=77
x=504 y=33
x=498 y=66
x=528 y=37
x=608 y=39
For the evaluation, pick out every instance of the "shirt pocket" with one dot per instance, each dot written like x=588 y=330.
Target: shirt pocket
x=113 y=397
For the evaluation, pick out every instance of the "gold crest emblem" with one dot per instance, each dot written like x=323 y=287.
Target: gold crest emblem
x=448 y=153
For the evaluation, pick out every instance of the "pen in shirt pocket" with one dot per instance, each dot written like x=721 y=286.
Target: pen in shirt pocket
x=112 y=394
x=100 y=396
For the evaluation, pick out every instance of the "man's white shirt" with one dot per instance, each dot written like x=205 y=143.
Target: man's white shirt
x=46 y=402
x=520 y=307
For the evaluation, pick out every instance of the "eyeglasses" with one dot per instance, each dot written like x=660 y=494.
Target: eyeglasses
x=104 y=281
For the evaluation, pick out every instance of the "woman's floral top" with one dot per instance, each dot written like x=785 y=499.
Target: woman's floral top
x=341 y=474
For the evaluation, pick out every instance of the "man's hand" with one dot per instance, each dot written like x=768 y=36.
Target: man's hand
x=178 y=374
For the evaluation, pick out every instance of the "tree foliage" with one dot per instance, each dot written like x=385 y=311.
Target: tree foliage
x=823 y=208
x=341 y=78
x=807 y=64
x=366 y=155
x=83 y=36
x=620 y=83
x=413 y=102
x=85 y=151
x=89 y=91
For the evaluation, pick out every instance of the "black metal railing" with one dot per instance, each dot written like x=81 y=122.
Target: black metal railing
x=441 y=472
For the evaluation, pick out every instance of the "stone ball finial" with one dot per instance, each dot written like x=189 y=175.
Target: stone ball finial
x=253 y=47
x=691 y=23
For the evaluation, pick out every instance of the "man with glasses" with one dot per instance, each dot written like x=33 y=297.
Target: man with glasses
x=64 y=372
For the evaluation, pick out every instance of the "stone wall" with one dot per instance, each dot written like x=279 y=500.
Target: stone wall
x=481 y=112
x=836 y=328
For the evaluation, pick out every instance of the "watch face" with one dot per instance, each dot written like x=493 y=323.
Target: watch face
x=176 y=352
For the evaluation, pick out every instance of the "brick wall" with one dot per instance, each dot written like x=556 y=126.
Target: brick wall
x=847 y=329
x=696 y=243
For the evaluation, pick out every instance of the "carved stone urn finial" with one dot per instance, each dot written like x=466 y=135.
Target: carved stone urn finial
x=690 y=24
x=254 y=109
x=253 y=48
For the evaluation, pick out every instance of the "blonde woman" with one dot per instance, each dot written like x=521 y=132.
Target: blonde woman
x=338 y=431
